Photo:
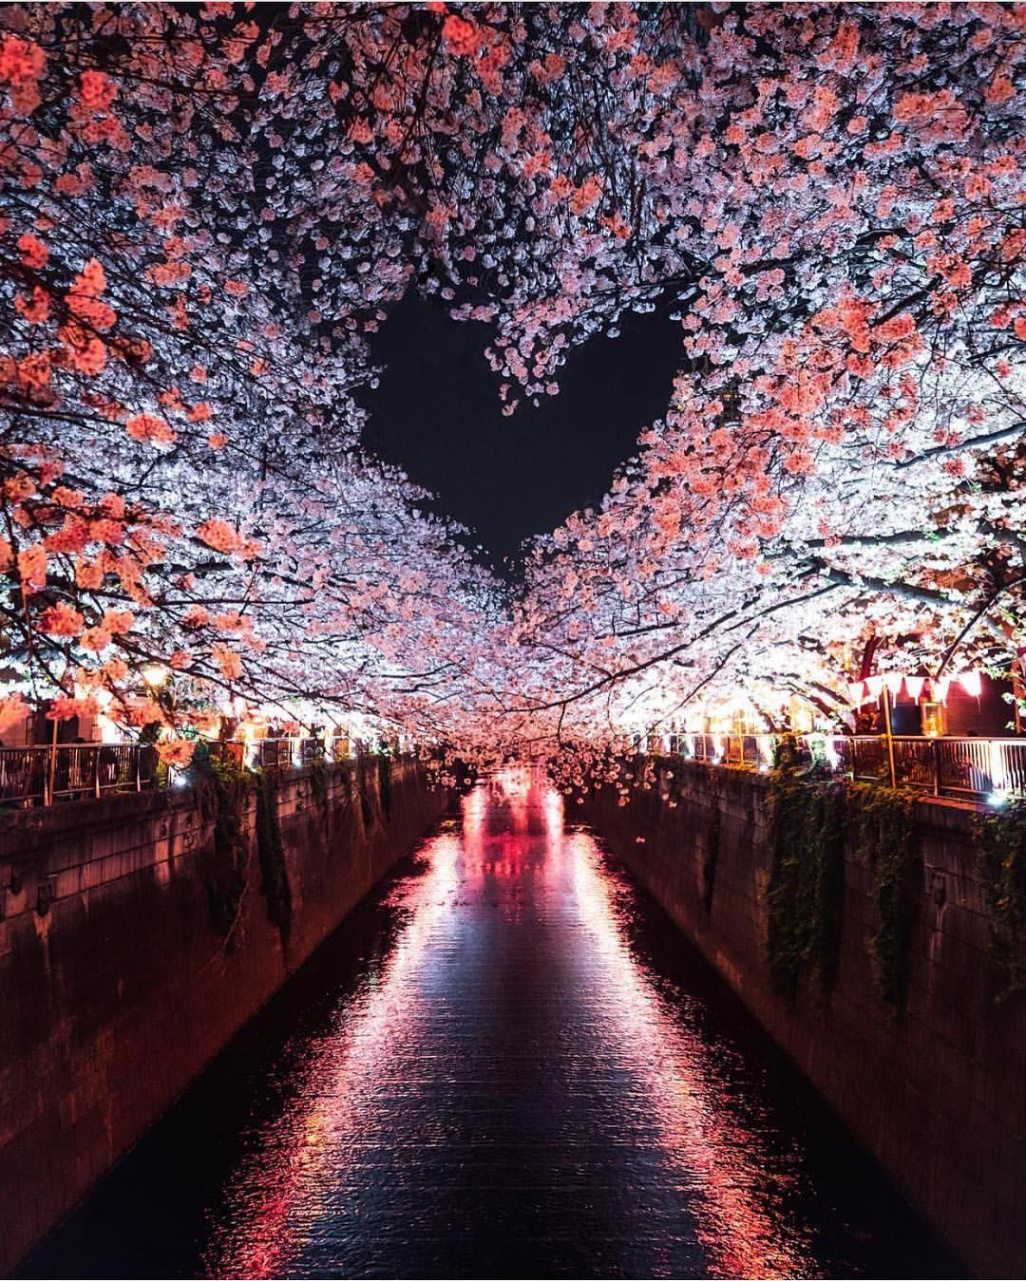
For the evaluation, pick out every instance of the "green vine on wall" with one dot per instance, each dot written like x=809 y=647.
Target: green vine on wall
x=712 y=855
x=366 y=809
x=887 y=840
x=1002 y=842
x=806 y=887
x=319 y=786
x=385 y=784
x=274 y=872
x=222 y=788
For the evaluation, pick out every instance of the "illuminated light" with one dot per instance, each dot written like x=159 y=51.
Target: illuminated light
x=108 y=729
x=998 y=773
x=155 y=675
x=971 y=682
x=940 y=688
x=998 y=799
x=857 y=693
x=875 y=685
x=367 y=1045
x=914 y=686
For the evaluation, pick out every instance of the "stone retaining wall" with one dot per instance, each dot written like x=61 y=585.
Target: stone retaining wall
x=118 y=982
x=937 y=1094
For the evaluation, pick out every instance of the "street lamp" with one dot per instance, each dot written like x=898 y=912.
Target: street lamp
x=155 y=675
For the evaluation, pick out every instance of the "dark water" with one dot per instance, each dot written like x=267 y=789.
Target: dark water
x=507 y=1064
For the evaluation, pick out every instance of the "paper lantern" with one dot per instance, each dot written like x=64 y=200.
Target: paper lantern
x=857 y=693
x=971 y=682
x=875 y=684
x=914 y=686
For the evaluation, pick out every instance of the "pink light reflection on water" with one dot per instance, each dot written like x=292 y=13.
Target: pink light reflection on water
x=508 y=866
x=284 y=1179
x=741 y=1222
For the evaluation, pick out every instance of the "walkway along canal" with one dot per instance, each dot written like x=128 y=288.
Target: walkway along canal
x=507 y=1062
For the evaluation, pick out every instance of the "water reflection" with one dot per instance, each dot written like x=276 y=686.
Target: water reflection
x=526 y=1074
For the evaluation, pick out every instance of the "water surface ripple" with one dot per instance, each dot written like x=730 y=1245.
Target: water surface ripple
x=506 y=1064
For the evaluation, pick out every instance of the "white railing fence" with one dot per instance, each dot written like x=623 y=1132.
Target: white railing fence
x=78 y=771
x=962 y=768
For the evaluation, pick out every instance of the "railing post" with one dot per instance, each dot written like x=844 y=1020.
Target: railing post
x=96 y=772
x=935 y=758
x=51 y=768
x=137 y=750
x=889 y=735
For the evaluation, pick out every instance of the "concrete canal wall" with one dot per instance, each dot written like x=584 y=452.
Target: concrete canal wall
x=937 y=1092
x=138 y=934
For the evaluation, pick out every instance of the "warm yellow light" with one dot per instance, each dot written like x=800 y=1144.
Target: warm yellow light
x=155 y=675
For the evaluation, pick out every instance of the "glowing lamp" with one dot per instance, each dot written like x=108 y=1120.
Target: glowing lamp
x=155 y=675
x=971 y=682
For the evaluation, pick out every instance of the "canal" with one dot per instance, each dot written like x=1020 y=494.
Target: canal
x=506 y=1063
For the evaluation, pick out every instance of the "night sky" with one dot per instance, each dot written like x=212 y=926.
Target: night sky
x=437 y=414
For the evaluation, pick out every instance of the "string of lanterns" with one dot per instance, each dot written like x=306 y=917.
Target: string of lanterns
x=872 y=687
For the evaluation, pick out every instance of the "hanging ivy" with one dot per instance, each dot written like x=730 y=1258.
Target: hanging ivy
x=712 y=856
x=1002 y=842
x=274 y=872
x=806 y=887
x=319 y=786
x=366 y=809
x=385 y=784
x=222 y=788
x=887 y=840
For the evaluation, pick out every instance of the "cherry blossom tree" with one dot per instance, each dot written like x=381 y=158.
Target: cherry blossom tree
x=182 y=475
x=206 y=210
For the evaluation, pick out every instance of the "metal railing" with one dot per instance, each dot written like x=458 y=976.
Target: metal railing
x=74 y=771
x=79 y=771
x=274 y=754
x=961 y=768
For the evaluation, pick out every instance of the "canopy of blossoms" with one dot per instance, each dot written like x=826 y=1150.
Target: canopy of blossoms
x=205 y=210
